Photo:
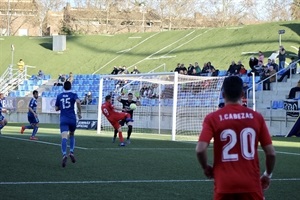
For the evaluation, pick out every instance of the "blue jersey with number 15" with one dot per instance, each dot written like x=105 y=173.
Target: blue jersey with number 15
x=66 y=103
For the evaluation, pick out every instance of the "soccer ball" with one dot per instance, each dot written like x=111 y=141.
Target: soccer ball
x=132 y=106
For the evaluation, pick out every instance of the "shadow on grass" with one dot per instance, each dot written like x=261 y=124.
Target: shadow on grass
x=47 y=45
x=294 y=27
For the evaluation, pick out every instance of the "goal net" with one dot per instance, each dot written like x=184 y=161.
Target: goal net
x=171 y=103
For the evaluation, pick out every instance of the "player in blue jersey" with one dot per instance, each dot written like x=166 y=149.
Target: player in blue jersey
x=65 y=102
x=32 y=116
x=3 y=121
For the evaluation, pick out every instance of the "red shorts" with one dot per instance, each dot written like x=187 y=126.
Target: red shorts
x=239 y=196
x=114 y=120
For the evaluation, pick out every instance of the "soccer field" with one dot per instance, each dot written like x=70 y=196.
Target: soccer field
x=151 y=167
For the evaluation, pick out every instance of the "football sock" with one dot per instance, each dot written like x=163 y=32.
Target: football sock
x=64 y=146
x=72 y=143
x=129 y=132
x=35 y=129
x=28 y=127
x=121 y=136
x=115 y=134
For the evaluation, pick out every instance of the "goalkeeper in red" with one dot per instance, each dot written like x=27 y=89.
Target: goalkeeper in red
x=235 y=169
x=114 y=117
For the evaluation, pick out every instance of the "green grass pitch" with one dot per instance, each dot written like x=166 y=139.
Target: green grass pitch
x=151 y=167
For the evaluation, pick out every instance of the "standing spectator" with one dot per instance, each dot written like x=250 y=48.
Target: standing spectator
x=32 y=116
x=265 y=78
x=65 y=102
x=261 y=56
x=21 y=65
x=236 y=170
x=3 y=121
x=281 y=57
x=272 y=71
x=253 y=62
x=135 y=70
x=126 y=108
x=288 y=70
x=70 y=78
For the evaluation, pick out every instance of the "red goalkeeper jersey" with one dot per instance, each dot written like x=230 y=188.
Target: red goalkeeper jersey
x=236 y=131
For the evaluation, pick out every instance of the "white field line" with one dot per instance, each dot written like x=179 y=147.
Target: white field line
x=37 y=141
x=123 y=181
x=185 y=43
x=125 y=51
x=161 y=49
x=294 y=48
x=161 y=57
x=137 y=37
x=127 y=149
x=238 y=27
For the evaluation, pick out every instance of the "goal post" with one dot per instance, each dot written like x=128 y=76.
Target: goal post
x=171 y=103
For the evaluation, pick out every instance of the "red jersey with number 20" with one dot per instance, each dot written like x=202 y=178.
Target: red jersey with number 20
x=236 y=131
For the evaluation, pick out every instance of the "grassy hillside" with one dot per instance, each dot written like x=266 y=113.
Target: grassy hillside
x=87 y=54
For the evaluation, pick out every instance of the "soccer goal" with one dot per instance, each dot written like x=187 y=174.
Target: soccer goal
x=171 y=103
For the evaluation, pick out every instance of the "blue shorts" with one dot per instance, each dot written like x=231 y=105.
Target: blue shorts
x=1 y=117
x=68 y=126
x=33 y=119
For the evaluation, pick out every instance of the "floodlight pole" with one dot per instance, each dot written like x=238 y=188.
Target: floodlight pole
x=12 y=62
x=280 y=32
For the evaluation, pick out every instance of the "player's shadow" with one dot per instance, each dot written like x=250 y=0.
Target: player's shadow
x=294 y=27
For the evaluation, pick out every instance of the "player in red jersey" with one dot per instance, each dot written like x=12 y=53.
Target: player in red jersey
x=114 y=117
x=236 y=131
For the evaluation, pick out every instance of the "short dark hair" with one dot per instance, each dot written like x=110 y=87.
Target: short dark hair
x=35 y=92
x=130 y=93
x=108 y=97
x=67 y=85
x=233 y=88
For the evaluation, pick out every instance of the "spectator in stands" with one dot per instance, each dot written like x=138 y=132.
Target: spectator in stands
x=61 y=80
x=272 y=71
x=197 y=68
x=21 y=65
x=135 y=70
x=115 y=71
x=232 y=69
x=144 y=91
x=292 y=93
x=177 y=68
x=289 y=70
x=257 y=70
x=40 y=75
x=183 y=68
x=253 y=62
x=125 y=71
x=210 y=67
x=269 y=63
x=190 y=69
x=243 y=71
x=194 y=72
x=87 y=99
x=153 y=91
x=120 y=70
x=281 y=57
x=261 y=56
x=70 y=78
x=274 y=64
x=214 y=72
x=265 y=77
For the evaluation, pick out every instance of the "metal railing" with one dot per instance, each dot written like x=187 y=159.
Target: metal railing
x=254 y=84
x=12 y=78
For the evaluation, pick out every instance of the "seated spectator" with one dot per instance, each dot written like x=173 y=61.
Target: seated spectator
x=274 y=64
x=61 y=80
x=214 y=72
x=125 y=71
x=205 y=69
x=87 y=99
x=177 y=68
x=243 y=71
x=190 y=69
x=292 y=93
x=232 y=69
x=257 y=69
x=135 y=71
x=71 y=77
x=198 y=69
x=40 y=75
x=289 y=70
x=153 y=91
x=115 y=71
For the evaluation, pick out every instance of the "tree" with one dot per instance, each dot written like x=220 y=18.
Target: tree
x=295 y=8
